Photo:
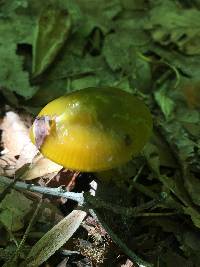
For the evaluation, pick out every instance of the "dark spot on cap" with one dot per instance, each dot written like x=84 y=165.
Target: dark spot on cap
x=127 y=140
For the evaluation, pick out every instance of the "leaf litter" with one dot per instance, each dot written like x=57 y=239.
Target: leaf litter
x=149 y=48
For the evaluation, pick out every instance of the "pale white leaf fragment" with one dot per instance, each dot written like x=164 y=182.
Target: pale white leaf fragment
x=55 y=238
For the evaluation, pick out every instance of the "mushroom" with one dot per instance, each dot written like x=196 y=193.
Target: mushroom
x=93 y=129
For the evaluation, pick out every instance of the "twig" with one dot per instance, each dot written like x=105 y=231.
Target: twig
x=143 y=189
x=95 y=202
x=57 y=192
x=89 y=200
x=133 y=256
x=156 y=214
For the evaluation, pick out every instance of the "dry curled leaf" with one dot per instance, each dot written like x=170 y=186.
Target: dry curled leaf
x=41 y=167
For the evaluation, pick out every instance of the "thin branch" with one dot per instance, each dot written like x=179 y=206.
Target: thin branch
x=133 y=256
x=88 y=200
x=56 y=192
x=156 y=214
x=95 y=202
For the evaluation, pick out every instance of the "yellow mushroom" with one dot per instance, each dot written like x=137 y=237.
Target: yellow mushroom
x=93 y=129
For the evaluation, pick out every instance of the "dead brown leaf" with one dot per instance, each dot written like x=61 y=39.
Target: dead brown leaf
x=18 y=149
x=41 y=167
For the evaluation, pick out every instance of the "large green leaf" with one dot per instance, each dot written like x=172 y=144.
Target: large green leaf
x=51 y=33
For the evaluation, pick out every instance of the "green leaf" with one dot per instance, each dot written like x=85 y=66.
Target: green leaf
x=178 y=60
x=13 y=209
x=188 y=116
x=120 y=48
x=169 y=23
x=97 y=14
x=141 y=73
x=193 y=187
x=52 y=31
x=190 y=245
x=173 y=259
x=12 y=75
x=166 y=103
x=176 y=186
x=134 y=4
x=84 y=82
x=179 y=136
x=194 y=214
x=152 y=156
